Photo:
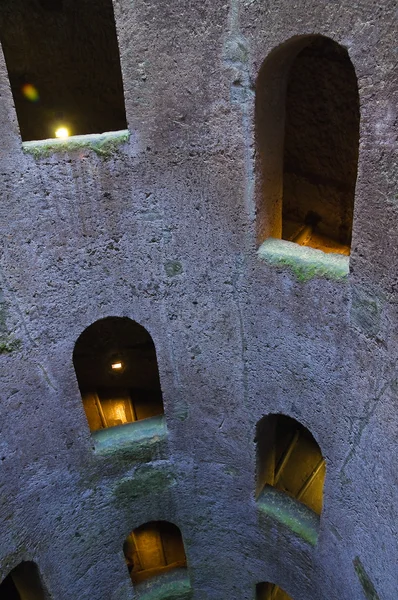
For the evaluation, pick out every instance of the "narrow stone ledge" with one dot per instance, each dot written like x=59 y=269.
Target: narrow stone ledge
x=138 y=437
x=291 y=513
x=173 y=585
x=103 y=144
x=306 y=263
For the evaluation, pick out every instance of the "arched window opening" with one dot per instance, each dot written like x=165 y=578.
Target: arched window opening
x=23 y=583
x=270 y=591
x=117 y=372
x=307 y=128
x=153 y=549
x=289 y=459
x=63 y=64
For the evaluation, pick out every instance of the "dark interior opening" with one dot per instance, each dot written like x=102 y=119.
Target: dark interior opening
x=270 y=591
x=63 y=64
x=307 y=133
x=117 y=372
x=23 y=583
x=321 y=147
x=152 y=549
x=289 y=459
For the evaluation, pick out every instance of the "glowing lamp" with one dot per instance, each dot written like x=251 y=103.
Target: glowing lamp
x=116 y=366
x=62 y=133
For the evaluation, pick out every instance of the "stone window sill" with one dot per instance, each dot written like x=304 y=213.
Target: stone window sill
x=306 y=263
x=291 y=513
x=138 y=435
x=103 y=144
x=173 y=585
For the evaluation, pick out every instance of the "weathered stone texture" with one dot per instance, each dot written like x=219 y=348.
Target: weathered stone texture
x=162 y=230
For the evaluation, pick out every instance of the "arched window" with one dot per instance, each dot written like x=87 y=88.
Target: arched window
x=63 y=64
x=307 y=132
x=153 y=549
x=289 y=459
x=117 y=372
x=23 y=583
x=270 y=591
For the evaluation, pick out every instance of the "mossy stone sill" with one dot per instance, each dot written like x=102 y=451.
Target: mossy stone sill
x=103 y=144
x=306 y=263
x=290 y=512
x=174 y=585
x=132 y=435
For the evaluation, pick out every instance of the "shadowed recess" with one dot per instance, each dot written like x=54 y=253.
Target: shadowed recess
x=63 y=64
x=23 y=583
x=290 y=460
x=270 y=591
x=117 y=372
x=307 y=132
x=153 y=549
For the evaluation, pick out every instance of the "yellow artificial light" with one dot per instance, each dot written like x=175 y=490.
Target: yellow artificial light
x=62 y=133
x=117 y=366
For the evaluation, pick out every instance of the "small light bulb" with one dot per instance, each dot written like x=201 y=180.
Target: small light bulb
x=62 y=133
x=117 y=366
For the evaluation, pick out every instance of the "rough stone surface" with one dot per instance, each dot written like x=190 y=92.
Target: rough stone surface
x=162 y=230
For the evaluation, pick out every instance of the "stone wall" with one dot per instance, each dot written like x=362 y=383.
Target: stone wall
x=161 y=229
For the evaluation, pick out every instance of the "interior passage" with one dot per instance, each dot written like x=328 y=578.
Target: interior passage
x=289 y=459
x=63 y=64
x=117 y=372
x=152 y=549
x=23 y=583
x=320 y=148
x=270 y=591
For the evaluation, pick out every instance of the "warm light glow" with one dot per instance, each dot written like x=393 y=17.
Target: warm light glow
x=30 y=92
x=117 y=366
x=62 y=133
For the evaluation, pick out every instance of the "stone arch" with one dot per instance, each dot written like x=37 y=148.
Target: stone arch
x=290 y=460
x=154 y=549
x=307 y=138
x=117 y=372
x=23 y=583
x=270 y=591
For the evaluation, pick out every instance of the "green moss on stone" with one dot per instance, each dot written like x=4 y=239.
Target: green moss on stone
x=139 y=442
x=173 y=268
x=148 y=479
x=305 y=263
x=8 y=344
x=103 y=144
x=174 y=585
x=291 y=513
x=367 y=585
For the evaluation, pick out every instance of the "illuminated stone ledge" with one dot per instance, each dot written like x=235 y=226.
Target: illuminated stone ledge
x=103 y=144
x=305 y=262
x=174 y=585
x=290 y=512
x=136 y=437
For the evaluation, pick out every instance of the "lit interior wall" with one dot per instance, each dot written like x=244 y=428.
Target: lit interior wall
x=321 y=145
x=152 y=549
x=307 y=133
x=23 y=583
x=69 y=53
x=269 y=591
x=111 y=396
x=289 y=459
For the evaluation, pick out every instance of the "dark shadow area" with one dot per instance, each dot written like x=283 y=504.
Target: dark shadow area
x=307 y=131
x=289 y=459
x=117 y=372
x=23 y=583
x=153 y=549
x=270 y=591
x=63 y=63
